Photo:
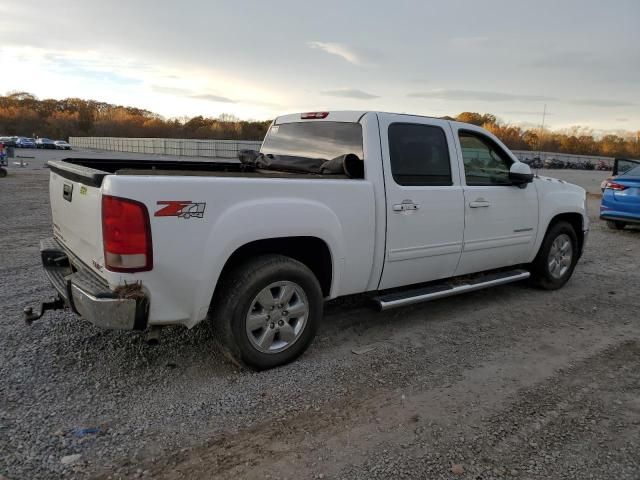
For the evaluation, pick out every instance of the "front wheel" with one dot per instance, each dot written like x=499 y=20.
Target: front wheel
x=616 y=225
x=557 y=257
x=267 y=310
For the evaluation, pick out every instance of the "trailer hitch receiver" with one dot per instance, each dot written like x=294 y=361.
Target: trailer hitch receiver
x=30 y=316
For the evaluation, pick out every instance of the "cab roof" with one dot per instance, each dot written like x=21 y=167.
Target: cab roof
x=337 y=116
x=333 y=116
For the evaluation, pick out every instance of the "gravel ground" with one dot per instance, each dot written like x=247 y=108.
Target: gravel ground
x=504 y=383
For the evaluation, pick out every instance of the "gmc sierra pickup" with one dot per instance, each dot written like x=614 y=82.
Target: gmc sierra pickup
x=403 y=208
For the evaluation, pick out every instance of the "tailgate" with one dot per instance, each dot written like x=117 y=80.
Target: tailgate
x=75 y=196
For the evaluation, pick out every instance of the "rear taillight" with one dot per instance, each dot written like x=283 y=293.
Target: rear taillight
x=126 y=235
x=615 y=186
x=312 y=115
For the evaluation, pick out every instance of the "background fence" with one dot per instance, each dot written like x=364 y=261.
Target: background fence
x=167 y=146
x=565 y=157
x=230 y=148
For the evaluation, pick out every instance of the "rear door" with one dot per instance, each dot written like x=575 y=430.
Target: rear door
x=501 y=220
x=425 y=204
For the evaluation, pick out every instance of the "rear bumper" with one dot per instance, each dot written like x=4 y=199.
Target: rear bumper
x=87 y=294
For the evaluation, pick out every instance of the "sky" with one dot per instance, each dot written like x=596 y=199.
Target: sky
x=261 y=59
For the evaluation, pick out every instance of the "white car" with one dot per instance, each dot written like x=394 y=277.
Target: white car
x=402 y=208
x=62 y=145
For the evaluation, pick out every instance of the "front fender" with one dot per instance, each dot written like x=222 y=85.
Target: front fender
x=556 y=198
x=278 y=218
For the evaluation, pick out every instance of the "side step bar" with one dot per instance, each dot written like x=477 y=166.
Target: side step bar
x=426 y=294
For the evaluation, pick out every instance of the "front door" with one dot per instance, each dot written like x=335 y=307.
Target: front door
x=501 y=220
x=425 y=204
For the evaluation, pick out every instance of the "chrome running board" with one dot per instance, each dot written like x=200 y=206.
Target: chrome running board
x=426 y=294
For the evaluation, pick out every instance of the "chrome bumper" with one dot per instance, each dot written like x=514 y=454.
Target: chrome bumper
x=87 y=294
x=114 y=313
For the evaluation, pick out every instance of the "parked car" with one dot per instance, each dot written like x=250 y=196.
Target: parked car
x=620 y=203
x=402 y=208
x=45 y=143
x=3 y=160
x=534 y=162
x=8 y=141
x=620 y=165
x=24 y=142
x=62 y=145
x=554 y=163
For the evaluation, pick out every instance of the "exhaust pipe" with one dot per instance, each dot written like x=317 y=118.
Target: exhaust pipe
x=153 y=336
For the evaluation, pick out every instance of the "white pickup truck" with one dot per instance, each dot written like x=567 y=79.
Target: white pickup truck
x=418 y=208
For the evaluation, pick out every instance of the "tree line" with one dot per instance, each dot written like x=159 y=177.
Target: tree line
x=21 y=113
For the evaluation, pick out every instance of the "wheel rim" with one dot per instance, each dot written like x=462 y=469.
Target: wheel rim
x=277 y=317
x=560 y=256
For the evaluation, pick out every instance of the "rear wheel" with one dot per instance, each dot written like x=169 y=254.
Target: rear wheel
x=267 y=310
x=616 y=225
x=557 y=257
x=3 y=172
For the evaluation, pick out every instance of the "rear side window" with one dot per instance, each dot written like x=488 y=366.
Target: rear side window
x=632 y=172
x=419 y=155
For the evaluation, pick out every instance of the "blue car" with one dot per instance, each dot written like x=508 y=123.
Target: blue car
x=24 y=142
x=621 y=195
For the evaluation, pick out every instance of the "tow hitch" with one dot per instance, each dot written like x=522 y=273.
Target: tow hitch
x=30 y=316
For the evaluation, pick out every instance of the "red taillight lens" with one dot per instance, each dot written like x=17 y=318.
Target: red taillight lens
x=312 y=115
x=126 y=235
x=615 y=186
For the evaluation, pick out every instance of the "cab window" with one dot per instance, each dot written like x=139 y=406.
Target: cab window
x=485 y=163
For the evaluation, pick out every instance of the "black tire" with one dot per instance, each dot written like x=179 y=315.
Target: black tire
x=3 y=172
x=236 y=295
x=616 y=225
x=541 y=275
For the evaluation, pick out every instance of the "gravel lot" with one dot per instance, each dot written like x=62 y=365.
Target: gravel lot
x=504 y=383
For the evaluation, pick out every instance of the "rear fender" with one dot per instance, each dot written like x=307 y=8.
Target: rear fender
x=276 y=218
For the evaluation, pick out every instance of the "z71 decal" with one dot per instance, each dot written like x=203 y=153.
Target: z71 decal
x=182 y=209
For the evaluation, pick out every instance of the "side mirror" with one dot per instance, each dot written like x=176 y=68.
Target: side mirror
x=520 y=174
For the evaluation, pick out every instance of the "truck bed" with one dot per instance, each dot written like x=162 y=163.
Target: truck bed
x=92 y=171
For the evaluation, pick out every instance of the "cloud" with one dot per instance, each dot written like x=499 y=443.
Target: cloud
x=469 y=41
x=350 y=93
x=183 y=92
x=212 y=98
x=602 y=103
x=88 y=65
x=352 y=55
x=566 y=60
x=533 y=113
x=481 y=96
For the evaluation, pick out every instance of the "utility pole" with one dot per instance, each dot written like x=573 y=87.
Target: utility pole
x=544 y=115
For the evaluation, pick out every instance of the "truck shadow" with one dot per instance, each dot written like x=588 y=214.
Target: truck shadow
x=348 y=323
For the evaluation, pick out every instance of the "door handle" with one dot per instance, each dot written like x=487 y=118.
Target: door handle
x=405 y=206
x=479 y=203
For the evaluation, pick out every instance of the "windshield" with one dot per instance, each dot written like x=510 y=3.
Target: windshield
x=326 y=140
